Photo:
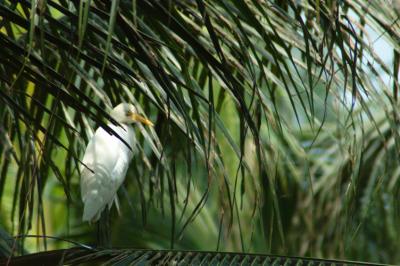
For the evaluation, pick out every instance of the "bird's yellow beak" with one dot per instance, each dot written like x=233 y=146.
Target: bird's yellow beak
x=141 y=119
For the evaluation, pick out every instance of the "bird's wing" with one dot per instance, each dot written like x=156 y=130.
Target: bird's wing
x=107 y=159
x=99 y=159
x=98 y=189
x=118 y=176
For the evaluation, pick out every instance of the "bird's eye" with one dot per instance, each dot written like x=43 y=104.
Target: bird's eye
x=129 y=113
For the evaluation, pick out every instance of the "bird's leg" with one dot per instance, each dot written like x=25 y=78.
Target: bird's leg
x=104 y=230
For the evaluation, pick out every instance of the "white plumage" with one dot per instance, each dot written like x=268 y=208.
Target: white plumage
x=107 y=159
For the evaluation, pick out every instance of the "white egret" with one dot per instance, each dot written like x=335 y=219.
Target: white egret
x=107 y=159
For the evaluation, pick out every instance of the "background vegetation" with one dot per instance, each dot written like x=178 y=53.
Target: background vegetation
x=276 y=124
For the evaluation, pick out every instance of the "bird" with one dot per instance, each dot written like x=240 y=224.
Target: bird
x=106 y=161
